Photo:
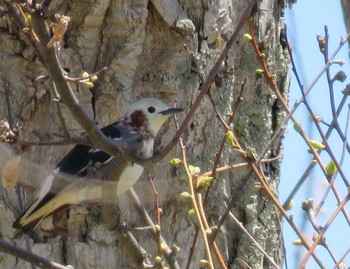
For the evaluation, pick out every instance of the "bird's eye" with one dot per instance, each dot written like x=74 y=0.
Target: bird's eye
x=151 y=109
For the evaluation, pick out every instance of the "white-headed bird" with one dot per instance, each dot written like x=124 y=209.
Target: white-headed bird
x=136 y=130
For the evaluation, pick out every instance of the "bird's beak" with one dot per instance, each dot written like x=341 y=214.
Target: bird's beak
x=171 y=110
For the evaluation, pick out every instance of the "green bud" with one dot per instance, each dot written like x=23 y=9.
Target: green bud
x=251 y=154
x=297 y=126
x=194 y=170
x=257 y=187
x=176 y=249
x=191 y=213
x=318 y=118
x=203 y=263
x=93 y=78
x=185 y=195
x=248 y=37
x=316 y=144
x=297 y=242
x=175 y=161
x=28 y=20
x=157 y=227
x=89 y=84
x=331 y=168
x=229 y=136
x=157 y=259
x=163 y=247
x=205 y=181
x=290 y=205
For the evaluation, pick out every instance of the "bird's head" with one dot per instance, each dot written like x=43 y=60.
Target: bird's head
x=149 y=114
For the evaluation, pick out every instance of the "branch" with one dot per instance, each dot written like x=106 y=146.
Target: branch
x=57 y=77
x=133 y=247
x=206 y=85
x=140 y=209
x=251 y=239
x=29 y=257
x=19 y=20
x=318 y=239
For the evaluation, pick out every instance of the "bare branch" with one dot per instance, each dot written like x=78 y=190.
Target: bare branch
x=168 y=254
x=57 y=76
x=29 y=257
x=206 y=85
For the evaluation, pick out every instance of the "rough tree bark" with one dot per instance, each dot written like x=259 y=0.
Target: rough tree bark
x=142 y=44
x=346 y=13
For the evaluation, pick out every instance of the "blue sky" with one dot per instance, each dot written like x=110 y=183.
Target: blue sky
x=305 y=20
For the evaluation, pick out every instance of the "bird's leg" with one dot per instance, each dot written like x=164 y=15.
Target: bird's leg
x=92 y=168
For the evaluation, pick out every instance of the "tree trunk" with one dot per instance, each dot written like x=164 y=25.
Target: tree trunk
x=142 y=44
x=346 y=13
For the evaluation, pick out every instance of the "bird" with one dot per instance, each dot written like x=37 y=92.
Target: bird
x=135 y=130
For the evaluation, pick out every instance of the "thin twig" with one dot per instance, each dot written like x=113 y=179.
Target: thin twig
x=19 y=20
x=279 y=130
x=312 y=164
x=29 y=257
x=318 y=239
x=324 y=138
x=134 y=248
x=167 y=252
x=195 y=206
x=206 y=85
x=261 y=178
x=56 y=74
x=157 y=215
x=207 y=228
x=70 y=79
x=342 y=258
x=251 y=238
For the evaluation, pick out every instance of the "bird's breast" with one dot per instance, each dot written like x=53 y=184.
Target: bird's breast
x=147 y=148
x=129 y=176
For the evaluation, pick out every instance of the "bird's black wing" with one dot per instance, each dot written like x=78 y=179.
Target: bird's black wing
x=80 y=157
